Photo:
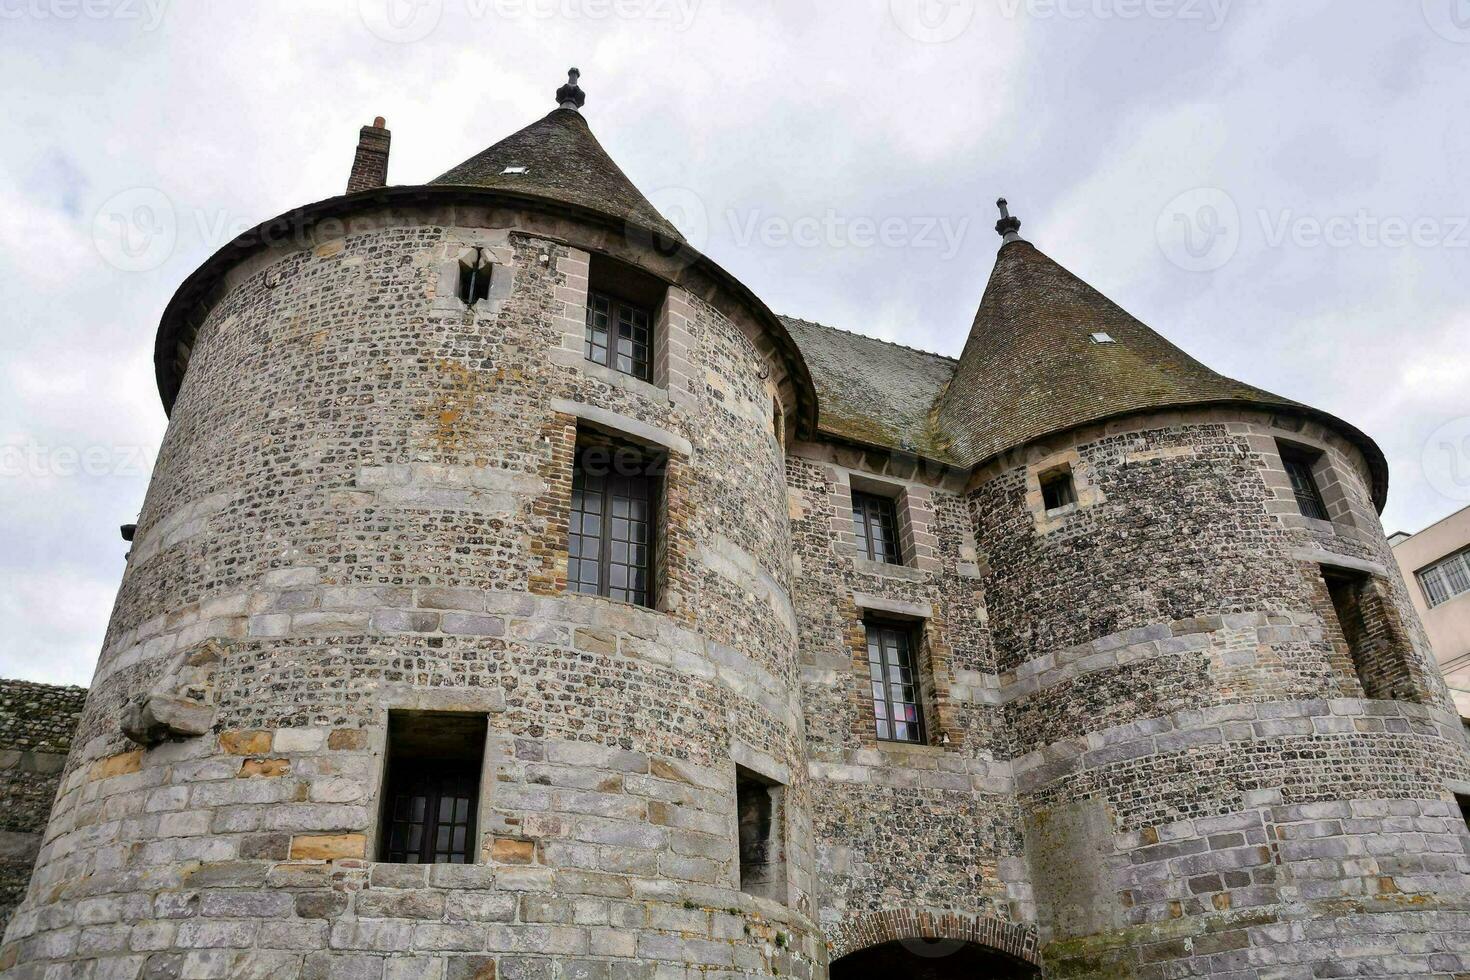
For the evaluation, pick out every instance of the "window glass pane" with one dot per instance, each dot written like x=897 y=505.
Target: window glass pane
x=896 y=712
x=609 y=532
x=1434 y=587
x=1455 y=574
x=876 y=524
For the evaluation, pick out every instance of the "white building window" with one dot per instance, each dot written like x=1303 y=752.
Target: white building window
x=1446 y=578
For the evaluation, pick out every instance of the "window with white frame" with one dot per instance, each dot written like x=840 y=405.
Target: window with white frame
x=1446 y=578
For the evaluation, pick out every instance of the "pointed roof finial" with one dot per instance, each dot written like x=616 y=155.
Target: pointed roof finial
x=1008 y=227
x=570 y=95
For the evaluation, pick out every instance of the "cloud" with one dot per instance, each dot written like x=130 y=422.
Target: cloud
x=779 y=114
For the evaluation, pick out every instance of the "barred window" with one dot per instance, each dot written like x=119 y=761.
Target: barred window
x=618 y=335
x=895 y=683
x=875 y=519
x=611 y=538
x=1446 y=578
x=1304 y=484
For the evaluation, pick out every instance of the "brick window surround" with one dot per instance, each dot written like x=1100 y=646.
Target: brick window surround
x=1362 y=623
x=1300 y=465
x=573 y=426
x=912 y=511
x=613 y=520
x=894 y=680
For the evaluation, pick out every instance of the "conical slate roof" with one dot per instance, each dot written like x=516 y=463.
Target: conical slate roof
x=1031 y=366
x=563 y=162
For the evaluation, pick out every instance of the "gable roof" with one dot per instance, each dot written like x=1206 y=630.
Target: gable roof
x=871 y=391
x=563 y=162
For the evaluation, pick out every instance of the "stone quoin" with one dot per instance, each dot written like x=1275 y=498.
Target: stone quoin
x=517 y=596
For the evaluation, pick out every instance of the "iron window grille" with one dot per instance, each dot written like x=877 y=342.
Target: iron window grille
x=1445 y=579
x=618 y=336
x=894 y=683
x=876 y=520
x=1304 y=486
x=431 y=813
x=610 y=544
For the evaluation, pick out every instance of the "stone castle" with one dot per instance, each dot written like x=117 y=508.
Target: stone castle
x=516 y=596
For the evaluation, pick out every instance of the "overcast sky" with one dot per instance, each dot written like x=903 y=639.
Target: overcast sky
x=1280 y=188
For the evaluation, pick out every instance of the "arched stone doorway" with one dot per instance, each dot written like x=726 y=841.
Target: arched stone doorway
x=931 y=959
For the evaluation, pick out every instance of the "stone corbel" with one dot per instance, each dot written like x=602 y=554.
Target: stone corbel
x=182 y=704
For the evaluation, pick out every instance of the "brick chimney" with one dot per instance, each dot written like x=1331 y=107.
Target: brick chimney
x=370 y=166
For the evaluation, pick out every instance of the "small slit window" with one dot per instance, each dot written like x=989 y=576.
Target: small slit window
x=431 y=787
x=894 y=683
x=875 y=520
x=474 y=278
x=1058 y=489
x=610 y=544
x=1299 y=465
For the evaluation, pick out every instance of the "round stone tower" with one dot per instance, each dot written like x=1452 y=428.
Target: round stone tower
x=455 y=638
x=1233 y=754
x=502 y=606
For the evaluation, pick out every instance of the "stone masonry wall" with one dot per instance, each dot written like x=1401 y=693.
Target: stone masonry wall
x=902 y=830
x=1204 y=788
x=36 y=725
x=361 y=506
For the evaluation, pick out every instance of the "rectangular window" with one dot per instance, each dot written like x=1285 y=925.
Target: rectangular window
x=1445 y=579
x=1381 y=654
x=760 y=818
x=431 y=787
x=1464 y=803
x=895 y=683
x=1057 y=488
x=875 y=519
x=610 y=544
x=618 y=335
x=1303 y=483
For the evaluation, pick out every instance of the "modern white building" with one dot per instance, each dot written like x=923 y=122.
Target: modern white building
x=1436 y=566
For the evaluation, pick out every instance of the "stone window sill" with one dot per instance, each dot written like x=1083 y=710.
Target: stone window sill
x=883 y=569
x=627 y=382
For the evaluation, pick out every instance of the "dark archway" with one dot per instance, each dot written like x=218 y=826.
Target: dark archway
x=931 y=959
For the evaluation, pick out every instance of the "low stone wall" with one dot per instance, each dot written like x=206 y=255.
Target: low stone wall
x=36 y=725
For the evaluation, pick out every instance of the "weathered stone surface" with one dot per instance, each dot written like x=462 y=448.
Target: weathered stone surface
x=1150 y=747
